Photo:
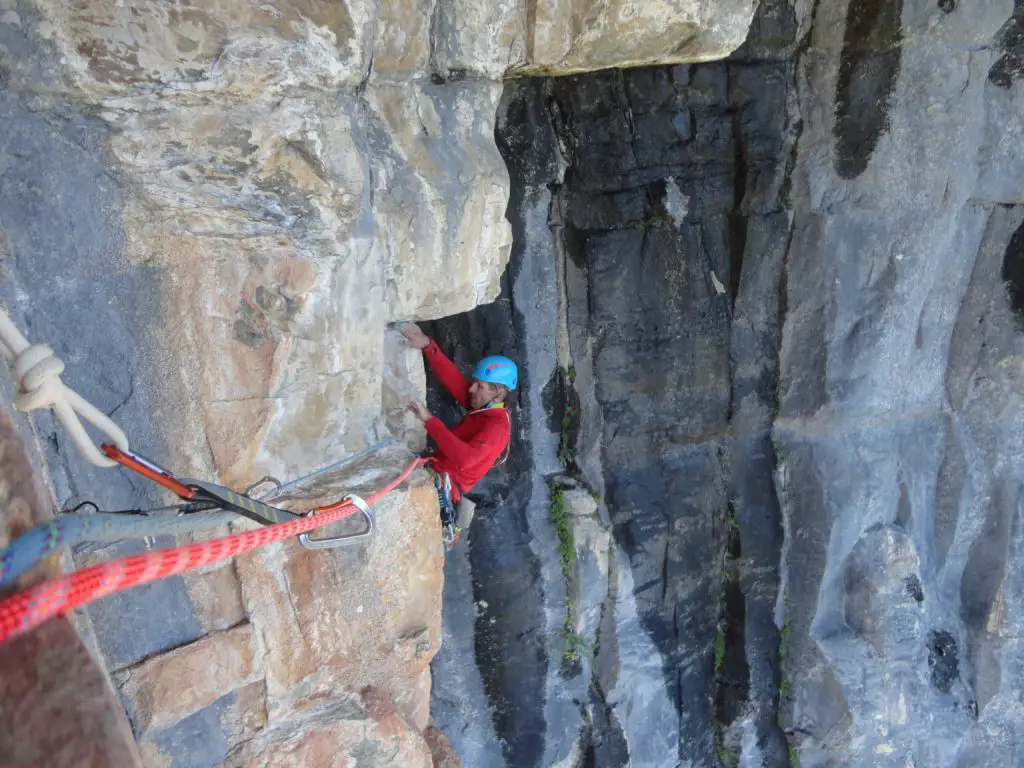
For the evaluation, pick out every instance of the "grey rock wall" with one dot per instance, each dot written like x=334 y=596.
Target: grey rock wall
x=789 y=288
x=213 y=211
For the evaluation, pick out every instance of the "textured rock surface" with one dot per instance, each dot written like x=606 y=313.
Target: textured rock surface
x=57 y=707
x=577 y=36
x=627 y=334
x=167 y=688
x=299 y=159
x=212 y=211
x=320 y=627
x=361 y=730
x=791 y=286
x=441 y=750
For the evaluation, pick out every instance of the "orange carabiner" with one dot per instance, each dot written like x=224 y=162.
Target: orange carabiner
x=148 y=469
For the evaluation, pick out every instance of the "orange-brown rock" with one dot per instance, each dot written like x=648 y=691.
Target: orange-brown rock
x=364 y=730
x=441 y=750
x=56 y=705
x=166 y=688
x=348 y=618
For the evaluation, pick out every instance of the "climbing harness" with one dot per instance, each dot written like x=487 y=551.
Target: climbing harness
x=449 y=515
x=451 y=519
x=37 y=372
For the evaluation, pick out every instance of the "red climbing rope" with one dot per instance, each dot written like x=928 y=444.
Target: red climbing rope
x=30 y=608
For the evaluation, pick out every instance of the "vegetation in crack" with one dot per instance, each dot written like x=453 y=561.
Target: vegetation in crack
x=785 y=688
x=574 y=644
x=563 y=528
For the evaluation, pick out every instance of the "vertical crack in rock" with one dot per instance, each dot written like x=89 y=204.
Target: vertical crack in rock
x=1010 y=39
x=737 y=216
x=509 y=647
x=868 y=70
x=732 y=672
x=1013 y=271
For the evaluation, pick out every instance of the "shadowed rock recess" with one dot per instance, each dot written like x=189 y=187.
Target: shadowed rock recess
x=770 y=310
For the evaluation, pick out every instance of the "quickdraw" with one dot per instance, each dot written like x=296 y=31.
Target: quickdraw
x=243 y=504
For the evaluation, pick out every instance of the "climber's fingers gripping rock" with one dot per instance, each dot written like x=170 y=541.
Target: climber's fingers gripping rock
x=414 y=337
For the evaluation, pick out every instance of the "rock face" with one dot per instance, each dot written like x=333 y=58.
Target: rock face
x=624 y=270
x=212 y=211
x=771 y=313
x=57 y=707
x=297 y=157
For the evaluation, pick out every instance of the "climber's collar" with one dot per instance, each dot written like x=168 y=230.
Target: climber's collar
x=489 y=406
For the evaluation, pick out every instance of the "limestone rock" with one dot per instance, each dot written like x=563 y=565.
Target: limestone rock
x=793 y=287
x=56 y=704
x=365 y=730
x=573 y=36
x=205 y=736
x=224 y=205
x=163 y=690
x=441 y=750
x=345 y=619
x=298 y=159
x=217 y=594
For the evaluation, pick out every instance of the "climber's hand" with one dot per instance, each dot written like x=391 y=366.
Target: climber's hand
x=414 y=337
x=420 y=410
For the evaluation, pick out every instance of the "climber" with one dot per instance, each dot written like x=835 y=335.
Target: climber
x=467 y=451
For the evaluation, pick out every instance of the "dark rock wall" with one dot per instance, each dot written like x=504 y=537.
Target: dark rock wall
x=789 y=295
x=664 y=200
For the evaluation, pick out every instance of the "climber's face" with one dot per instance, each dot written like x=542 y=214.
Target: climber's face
x=481 y=393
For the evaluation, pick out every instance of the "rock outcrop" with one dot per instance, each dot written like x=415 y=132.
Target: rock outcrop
x=770 y=309
x=47 y=715
x=212 y=211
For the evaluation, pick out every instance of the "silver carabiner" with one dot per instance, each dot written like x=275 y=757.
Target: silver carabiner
x=342 y=541
x=266 y=479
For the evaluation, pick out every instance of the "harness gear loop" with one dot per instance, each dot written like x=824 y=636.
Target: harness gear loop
x=449 y=515
x=37 y=377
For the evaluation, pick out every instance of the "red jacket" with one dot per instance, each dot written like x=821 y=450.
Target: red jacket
x=469 y=449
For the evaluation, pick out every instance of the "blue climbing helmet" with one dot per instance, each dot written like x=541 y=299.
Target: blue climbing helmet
x=497 y=370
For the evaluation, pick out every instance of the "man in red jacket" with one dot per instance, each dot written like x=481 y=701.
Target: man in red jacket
x=468 y=450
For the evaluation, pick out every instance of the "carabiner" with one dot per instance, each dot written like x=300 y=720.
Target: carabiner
x=343 y=541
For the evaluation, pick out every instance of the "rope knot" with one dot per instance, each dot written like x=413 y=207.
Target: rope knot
x=38 y=372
